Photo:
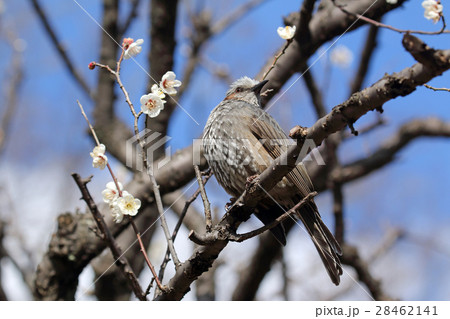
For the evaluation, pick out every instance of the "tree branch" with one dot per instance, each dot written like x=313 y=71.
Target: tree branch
x=387 y=152
x=79 y=79
x=110 y=129
x=108 y=237
x=366 y=56
x=130 y=18
x=350 y=256
x=11 y=98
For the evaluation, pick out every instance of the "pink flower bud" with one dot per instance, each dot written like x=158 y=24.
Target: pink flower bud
x=91 y=66
x=127 y=41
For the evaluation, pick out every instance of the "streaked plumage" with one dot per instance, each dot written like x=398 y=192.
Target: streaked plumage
x=240 y=140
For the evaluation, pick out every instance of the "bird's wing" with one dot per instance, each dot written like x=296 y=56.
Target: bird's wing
x=265 y=129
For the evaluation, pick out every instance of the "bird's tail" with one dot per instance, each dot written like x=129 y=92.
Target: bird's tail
x=326 y=245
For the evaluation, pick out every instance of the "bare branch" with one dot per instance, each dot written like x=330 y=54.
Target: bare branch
x=359 y=104
x=206 y=204
x=389 y=240
x=382 y=25
x=110 y=129
x=233 y=17
x=275 y=60
x=130 y=18
x=327 y=23
x=303 y=32
x=436 y=89
x=350 y=256
x=108 y=237
x=61 y=49
x=204 y=31
x=181 y=219
x=366 y=56
x=11 y=98
x=217 y=70
x=431 y=58
x=314 y=92
x=241 y=237
x=267 y=251
x=386 y=153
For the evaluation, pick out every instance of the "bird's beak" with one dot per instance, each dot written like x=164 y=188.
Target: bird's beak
x=257 y=88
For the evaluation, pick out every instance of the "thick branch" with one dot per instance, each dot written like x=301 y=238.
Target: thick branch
x=390 y=86
x=303 y=32
x=268 y=249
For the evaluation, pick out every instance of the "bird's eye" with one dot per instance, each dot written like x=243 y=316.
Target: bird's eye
x=239 y=89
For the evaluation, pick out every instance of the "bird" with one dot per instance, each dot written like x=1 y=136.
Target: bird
x=240 y=140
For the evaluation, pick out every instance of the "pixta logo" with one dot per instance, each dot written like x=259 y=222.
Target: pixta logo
x=152 y=142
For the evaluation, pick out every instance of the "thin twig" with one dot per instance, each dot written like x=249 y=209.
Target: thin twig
x=116 y=74
x=366 y=57
x=179 y=223
x=380 y=121
x=217 y=70
x=204 y=31
x=288 y=42
x=316 y=95
x=241 y=237
x=148 y=166
x=11 y=98
x=338 y=211
x=206 y=204
x=60 y=48
x=116 y=182
x=89 y=124
x=144 y=252
x=284 y=276
x=109 y=238
x=382 y=25
x=436 y=89
x=159 y=204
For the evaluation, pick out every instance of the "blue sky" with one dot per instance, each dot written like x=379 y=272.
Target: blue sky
x=48 y=134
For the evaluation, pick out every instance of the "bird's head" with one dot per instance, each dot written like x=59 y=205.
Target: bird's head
x=246 y=89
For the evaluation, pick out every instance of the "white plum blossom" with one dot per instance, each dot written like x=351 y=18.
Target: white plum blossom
x=152 y=104
x=110 y=194
x=392 y=1
x=341 y=56
x=433 y=10
x=286 y=33
x=128 y=205
x=133 y=49
x=116 y=214
x=169 y=83
x=99 y=158
x=158 y=91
